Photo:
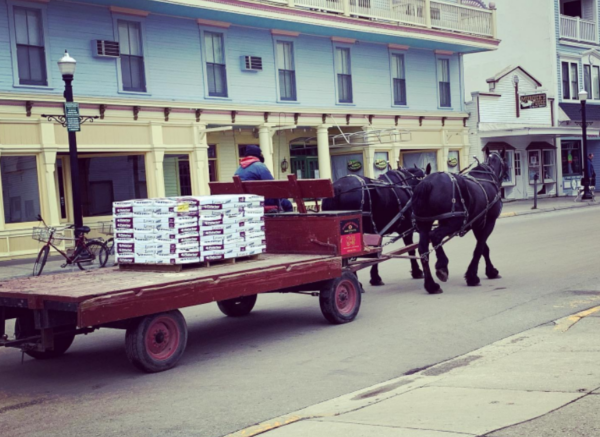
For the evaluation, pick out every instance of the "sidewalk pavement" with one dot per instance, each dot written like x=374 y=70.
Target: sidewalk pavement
x=547 y=204
x=544 y=382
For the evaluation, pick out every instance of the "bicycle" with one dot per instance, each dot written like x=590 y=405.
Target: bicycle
x=87 y=254
x=107 y=229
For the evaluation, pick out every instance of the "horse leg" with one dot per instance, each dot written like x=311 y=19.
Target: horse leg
x=430 y=285
x=490 y=271
x=415 y=271
x=481 y=234
x=375 y=278
x=437 y=236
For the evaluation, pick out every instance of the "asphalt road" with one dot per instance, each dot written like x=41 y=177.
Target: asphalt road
x=284 y=356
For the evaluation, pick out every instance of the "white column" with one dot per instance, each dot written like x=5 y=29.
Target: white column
x=395 y=158
x=428 y=13
x=49 y=195
x=154 y=162
x=323 y=152
x=265 y=136
x=199 y=162
x=369 y=156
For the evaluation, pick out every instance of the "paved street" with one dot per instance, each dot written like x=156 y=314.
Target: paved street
x=285 y=357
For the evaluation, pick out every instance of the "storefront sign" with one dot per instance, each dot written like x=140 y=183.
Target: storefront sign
x=354 y=165
x=534 y=101
x=72 y=116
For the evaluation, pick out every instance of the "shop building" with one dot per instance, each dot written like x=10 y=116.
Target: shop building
x=182 y=87
x=557 y=41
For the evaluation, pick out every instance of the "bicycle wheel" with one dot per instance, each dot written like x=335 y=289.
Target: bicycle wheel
x=40 y=261
x=96 y=256
x=110 y=245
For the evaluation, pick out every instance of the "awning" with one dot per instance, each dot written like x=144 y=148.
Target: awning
x=540 y=145
x=573 y=111
x=498 y=145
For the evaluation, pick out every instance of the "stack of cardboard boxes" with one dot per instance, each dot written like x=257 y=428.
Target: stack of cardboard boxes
x=188 y=230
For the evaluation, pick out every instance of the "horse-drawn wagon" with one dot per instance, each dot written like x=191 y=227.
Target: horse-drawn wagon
x=316 y=254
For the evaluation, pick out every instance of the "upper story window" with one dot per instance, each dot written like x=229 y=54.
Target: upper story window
x=216 y=73
x=443 y=74
x=132 y=56
x=399 y=79
x=287 y=71
x=31 y=51
x=591 y=78
x=344 y=74
x=570 y=81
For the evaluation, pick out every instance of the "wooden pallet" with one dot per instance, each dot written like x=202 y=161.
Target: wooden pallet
x=175 y=268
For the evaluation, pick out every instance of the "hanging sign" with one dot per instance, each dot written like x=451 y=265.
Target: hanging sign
x=534 y=101
x=354 y=165
x=72 y=117
x=381 y=164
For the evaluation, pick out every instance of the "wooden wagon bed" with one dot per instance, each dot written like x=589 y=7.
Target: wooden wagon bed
x=110 y=295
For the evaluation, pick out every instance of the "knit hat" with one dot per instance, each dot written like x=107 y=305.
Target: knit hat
x=253 y=150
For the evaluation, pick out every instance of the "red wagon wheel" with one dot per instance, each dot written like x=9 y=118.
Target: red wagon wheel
x=157 y=342
x=340 y=299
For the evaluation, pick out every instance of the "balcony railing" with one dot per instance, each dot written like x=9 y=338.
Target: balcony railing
x=456 y=16
x=576 y=29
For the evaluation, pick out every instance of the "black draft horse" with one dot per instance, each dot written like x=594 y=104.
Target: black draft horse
x=459 y=203
x=381 y=200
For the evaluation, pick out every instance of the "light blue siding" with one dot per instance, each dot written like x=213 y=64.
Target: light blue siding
x=174 y=64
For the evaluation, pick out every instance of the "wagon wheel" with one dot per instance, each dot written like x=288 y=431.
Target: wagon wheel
x=156 y=342
x=340 y=298
x=238 y=307
x=25 y=327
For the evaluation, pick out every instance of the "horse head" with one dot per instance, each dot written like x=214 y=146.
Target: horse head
x=496 y=162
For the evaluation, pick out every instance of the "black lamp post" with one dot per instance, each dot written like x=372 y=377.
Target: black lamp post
x=72 y=121
x=587 y=194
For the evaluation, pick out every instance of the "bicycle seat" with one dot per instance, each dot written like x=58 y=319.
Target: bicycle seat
x=84 y=229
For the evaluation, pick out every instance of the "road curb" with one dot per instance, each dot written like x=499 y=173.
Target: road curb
x=540 y=211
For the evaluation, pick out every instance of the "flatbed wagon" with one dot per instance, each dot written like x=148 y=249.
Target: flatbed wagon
x=316 y=254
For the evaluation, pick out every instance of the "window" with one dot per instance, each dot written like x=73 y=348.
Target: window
x=20 y=189
x=31 y=52
x=587 y=80
x=212 y=163
x=534 y=165
x=104 y=180
x=399 y=79
x=596 y=82
x=420 y=159
x=287 y=72
x=133 y=73
x=517 y=164
x=216 y=74
x=570 y=81
x=549 y=165
x=176 y=170
x=453 y=161
x=344 y=75
x=574 y=82
x=571 y=158
x=444 y=82
x=565 y=81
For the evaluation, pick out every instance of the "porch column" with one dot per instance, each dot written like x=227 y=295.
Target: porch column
x=427 y=13
x=559 y=174
x=323 y=152
x=265 y=137
x=369 y=154
x=49 y=193
x=199 y=162
x=154 y=163
x=395 y=158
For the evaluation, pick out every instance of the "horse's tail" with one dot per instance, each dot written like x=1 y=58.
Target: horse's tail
x=421 y=196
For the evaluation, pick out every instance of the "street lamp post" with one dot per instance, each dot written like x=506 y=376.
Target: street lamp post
x=587 y=194
x=72 y=121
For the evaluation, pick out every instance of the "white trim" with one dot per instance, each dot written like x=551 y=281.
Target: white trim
x=142 y=21
x=203 y=30
x=13 y=42
x=570 y=62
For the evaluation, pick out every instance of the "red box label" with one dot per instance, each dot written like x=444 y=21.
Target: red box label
x=350 y=240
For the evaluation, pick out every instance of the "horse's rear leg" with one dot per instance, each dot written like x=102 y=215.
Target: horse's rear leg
x=490 y=271
x=415 y=271
x=375 y=278
x=431 y=286
x=481 y=234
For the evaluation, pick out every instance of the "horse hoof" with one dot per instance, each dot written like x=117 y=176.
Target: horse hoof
x=418 y=274
x=434 y=289
x=442 y=274
x=376 y=282
x=492 y=274
x=473 y=281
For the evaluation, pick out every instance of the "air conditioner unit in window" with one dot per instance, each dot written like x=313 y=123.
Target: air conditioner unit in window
x=105 y=49
x=251 y=63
